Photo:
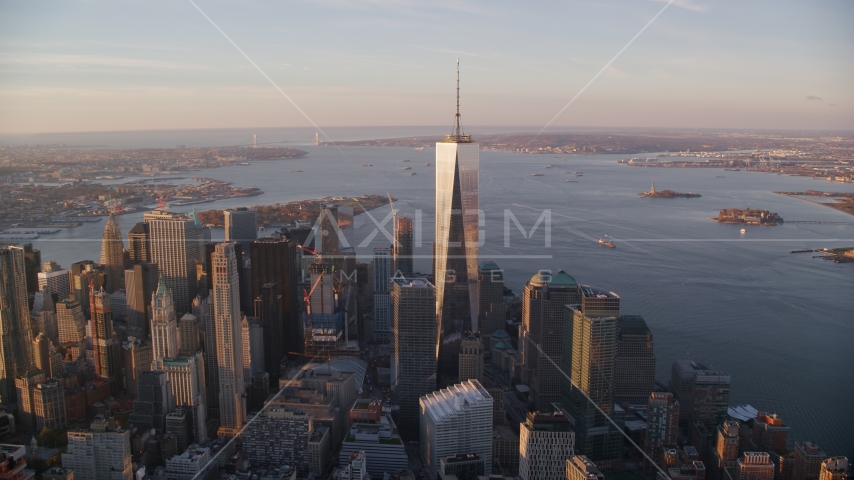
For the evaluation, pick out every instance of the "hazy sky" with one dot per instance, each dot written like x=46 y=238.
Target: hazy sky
x=149 y=64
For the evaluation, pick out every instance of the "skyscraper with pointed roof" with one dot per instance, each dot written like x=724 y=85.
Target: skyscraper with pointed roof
x=112 y=255
x=164 y=325
x=456 y=244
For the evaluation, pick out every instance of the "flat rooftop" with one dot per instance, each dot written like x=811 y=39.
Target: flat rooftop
x=595 y=292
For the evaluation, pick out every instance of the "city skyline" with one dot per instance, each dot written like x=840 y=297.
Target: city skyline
x=699 y=64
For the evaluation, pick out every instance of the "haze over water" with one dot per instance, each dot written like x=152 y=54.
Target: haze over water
x=781 y=324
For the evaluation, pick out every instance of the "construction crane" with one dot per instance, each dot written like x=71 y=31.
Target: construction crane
x=393 y=224
x=307 y=294
x=161 y=202
x=308 y=250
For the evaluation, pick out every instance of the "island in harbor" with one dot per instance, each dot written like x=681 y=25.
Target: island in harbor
x=748 y=217
x=300 y=211
x=667 y=193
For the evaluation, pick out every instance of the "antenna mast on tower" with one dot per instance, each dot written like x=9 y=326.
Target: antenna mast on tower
x=457 y=135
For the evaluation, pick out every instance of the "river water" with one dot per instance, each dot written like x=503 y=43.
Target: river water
x=781 y=324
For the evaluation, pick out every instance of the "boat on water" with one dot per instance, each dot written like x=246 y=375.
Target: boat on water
x=427 y=164
x=578 y=174
x=295 y=171
x=367 y=165
x=407 y=168
x=536 y=174
x=607 y=243
x=571 y=181
x=742 y=231
x=419 y=148
x=406 y=160
x=413 y=173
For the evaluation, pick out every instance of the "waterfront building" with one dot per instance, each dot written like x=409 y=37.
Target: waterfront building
x=491 y=312
x=590 y=354
x=70 y=321
x=541 y=338
x=139 y=244
x=662 y=418
x=546 y=442
x=726 y=447
x=403 y=251
x=229 y=339
x=456 y=420
x=54 y=280
x=413 y=345
x=635 y=367
x=49 y=406
x=834 y=468
x=702 y=393
x=100 y=453
x=105 y=345
x=140 y=283
x=112 y=255
x=808 y=460
x=374 y=433
x=274 y=261
x=580 y=467
x=754 y=466
x=241 y=225
x=769 y=434
x=154 y=403
x=471 y=357
x=456 y=244
x=381 y=273
x=176 y=247
x=15 y=324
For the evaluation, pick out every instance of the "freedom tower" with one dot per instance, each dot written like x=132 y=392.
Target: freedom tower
x=455 y=248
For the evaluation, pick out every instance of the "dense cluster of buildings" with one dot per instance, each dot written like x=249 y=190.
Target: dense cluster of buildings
x=174 y=357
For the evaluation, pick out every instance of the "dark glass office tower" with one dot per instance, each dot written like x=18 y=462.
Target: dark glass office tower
x=274 y=261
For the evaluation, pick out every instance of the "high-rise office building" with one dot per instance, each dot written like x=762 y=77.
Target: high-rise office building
x=189 y=330
x=726 y=445
x=229 y=339
x=100 y=453
x=546 y=442
x=381 y=273
x=492 y=310
x=702 y=393
x=112 y=255
x=138 y=358
x=15 y=324
x=268 y=311
x=140 y=284
x=154 y=403
x=754 y=466
x=70 y=321
x=279 y=435
x=541 y=339
x=580 y=467
x=164 y=326
x=139 y=244
x=403 y=251
x=253 y=347
x=274 y=260
x=186 y=376
x=769 y=434
x=25 y=384
x=55 y=280
x=456 y=420
x=591 y=358
x=471 y=357
x=328 y=231
x=414 y=345
x=176 y=247
x=178 y=425
x=834 y=468
x=45 y=317
x=662 y=418
x=105 y=345
x=635 y=372
x=32 y=267
x=808 y=460
x=85 y=276
x=203 y=310
x=241 y=225
x=456 y=244
x=49 y=403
